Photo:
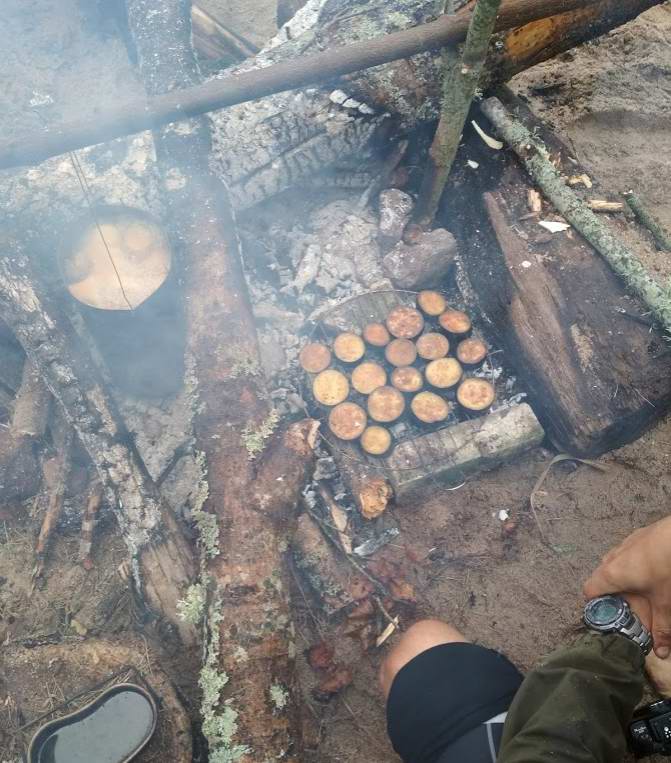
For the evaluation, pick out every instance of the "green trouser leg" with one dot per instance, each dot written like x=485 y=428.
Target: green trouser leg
x=575 y=706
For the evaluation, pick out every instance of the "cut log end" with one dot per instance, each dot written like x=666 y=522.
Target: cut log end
x=432 y=346
x=401 y=352
x=330 y=387
x=471 y=352
x=476 y=395
x=456 y=322
x=431 y=303
x=376 y=335
x=376 y=440
x=444 y=373
x=349 y=348
x=315 y=357
x=405 y=322
x=386 y=404
x=407 y=379
x=348 y=421
x=430 y=408
x=367 y=377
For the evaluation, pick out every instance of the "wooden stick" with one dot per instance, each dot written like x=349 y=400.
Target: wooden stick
x=534 y=156
x=89 y=521
x=460 y=81
x=32 y=404
x=140 y=114
x=647 y=219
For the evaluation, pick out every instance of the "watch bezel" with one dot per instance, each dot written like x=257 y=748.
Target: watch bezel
x=618 y=621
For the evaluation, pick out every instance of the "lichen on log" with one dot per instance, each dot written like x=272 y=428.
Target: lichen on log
x=535 y=157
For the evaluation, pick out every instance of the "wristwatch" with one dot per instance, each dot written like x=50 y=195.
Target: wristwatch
x=612 y=614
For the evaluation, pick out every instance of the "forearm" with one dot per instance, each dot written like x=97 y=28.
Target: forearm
x=575 y=706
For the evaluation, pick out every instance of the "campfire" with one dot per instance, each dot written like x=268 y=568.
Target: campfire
x=347 y=270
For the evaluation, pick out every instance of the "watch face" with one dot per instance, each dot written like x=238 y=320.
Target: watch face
x=604 y=610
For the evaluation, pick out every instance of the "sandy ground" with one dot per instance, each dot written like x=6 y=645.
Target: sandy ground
x=514 y=593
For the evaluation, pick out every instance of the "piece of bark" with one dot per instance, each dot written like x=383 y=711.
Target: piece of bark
x=374 y=496
x=395 y=209
x=32 y=404
x=162 y=558
x=426 y=262
x=89 y=521
x=20 y=474
x=251 y=714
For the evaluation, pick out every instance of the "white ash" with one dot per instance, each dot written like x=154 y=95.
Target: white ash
x=395 y=208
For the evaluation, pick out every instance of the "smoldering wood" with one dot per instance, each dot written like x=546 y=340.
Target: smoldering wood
x=32 y=404
x=252 y=483
x=557 y=305
x=162 y=561
x=534 y=155
x=257 y=83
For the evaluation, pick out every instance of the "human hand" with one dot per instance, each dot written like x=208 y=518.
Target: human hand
x=641 y=565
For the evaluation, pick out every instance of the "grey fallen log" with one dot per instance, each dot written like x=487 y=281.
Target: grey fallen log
x=472 y=446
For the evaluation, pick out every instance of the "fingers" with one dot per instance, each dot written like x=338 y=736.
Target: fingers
x=661 y=629
x=601 y=582
x=641 y=606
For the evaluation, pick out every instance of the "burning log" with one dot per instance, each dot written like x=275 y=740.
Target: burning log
x=162 y=561
x=250 y=709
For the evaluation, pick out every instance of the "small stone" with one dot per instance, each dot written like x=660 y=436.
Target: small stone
x=395 y=210
x=425 y=263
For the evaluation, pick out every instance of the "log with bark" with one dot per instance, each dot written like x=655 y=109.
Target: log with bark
x=162 y=559
x=250 y=704
x=596 y=375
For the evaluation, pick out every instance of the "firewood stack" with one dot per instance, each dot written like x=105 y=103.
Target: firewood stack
x=416 y=366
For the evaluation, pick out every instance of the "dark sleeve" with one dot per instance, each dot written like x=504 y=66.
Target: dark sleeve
x=574 y=707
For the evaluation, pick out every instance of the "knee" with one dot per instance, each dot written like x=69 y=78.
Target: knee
x=417 y=639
